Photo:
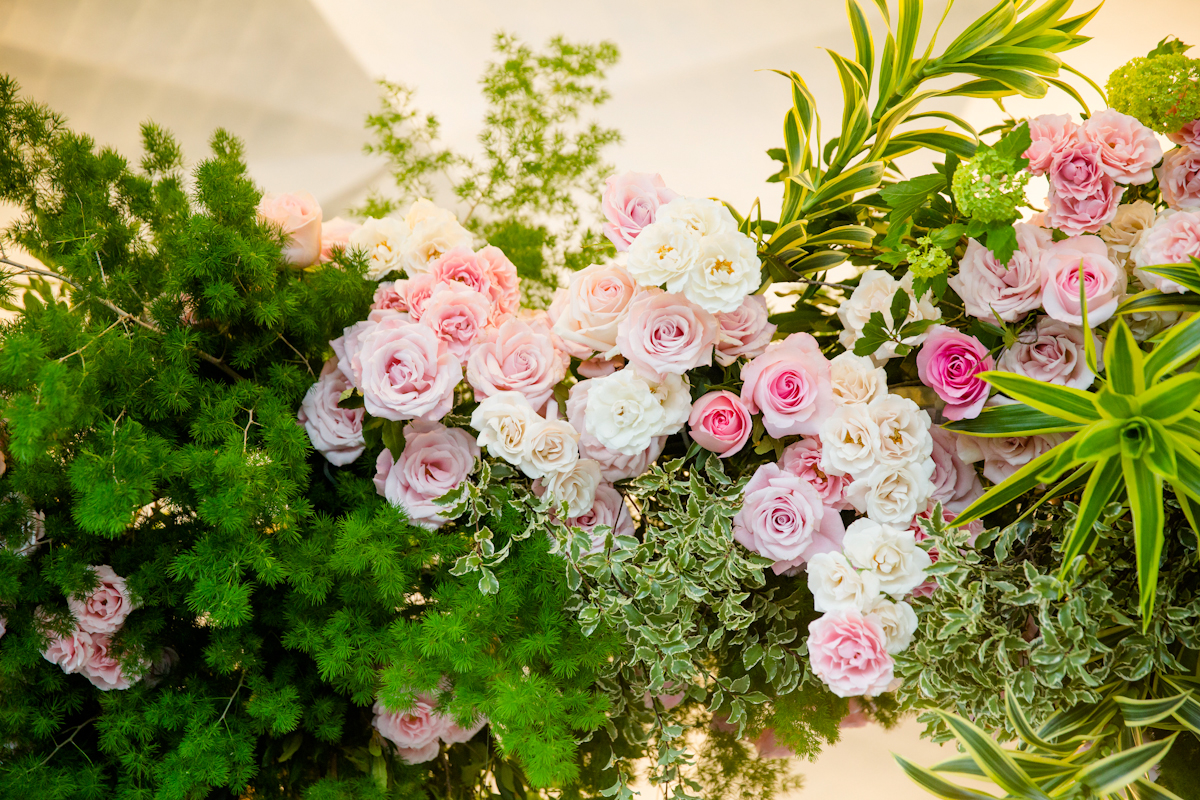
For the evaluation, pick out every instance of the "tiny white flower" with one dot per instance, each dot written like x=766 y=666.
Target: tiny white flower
x=891 y=553
x=837 y=585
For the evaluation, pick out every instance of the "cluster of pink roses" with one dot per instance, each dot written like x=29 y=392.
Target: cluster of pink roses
x=87 y=649
x=418 y=732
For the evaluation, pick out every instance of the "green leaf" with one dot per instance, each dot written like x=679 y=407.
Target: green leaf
x=1185 y=275
x=1020 y=482
x=1073 y=405
x=1017 y=419
x=1154 y=300
x=1145 y=502
x=907 y=196
x=1103 y=482
x=1145 y=790
x=999 y=765
x=1013 y=144
x=1110 y=775
x=1014 y=80
x=1123 y=361
x=936 y=785
x=908 y=27
x=986 y=30
x=856 y=179
x=1170 y=400
x=848 y=235
x=864 y=45
x=1002 y=241
x=901 y=303
x=1180 y=345
x=1140 y=713
x=1025 y=730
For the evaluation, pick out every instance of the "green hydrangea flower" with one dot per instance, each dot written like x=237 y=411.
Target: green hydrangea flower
x=989 y=187
x=927 y=260
x=1162 y=92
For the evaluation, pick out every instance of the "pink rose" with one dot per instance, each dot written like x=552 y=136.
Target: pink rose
x=1076 y=215
x=720 y=423
x=517 y=357
x=666 y=334
x=335 y=432
x=1173 y=239
x=745 y=331
x=418 y=290
x=299 y=217
x=416 y=732
x=458 y=315
x=504 y=284
x=607 y=509
x=597 y=367
x=1050 y=134
x=767 y=747
x=589 y=309
x=435 y=460
x=1188 y=135
x=347 y=348
x=463 y=265
x=105 y=609
x=846 y=650
x=455 y=734
x=1128 y=149
x=335 y=235
x=1003 y=456
x=407 y=373
x=1179 y=178
x=1077 y=171
x=856 y=716
x=1052 y=352
x=783 y=518
x=630 y=203
x=1104 y=282
x=789 y=384
x=614 y=466
x=990 y=289
x=102 y=669
x=949 y=363
x=668 y=701
x=955 y=483
x=72 y=652
x=803 y=459
x=392 y=296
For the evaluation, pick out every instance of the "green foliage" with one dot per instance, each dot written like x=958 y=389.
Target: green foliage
x=539 y=157
x=1161 y=90
x=990 y=187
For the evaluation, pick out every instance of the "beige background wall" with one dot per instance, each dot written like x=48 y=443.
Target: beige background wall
x=294 y=78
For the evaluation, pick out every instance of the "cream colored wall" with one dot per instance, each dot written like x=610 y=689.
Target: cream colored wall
x=294 y=79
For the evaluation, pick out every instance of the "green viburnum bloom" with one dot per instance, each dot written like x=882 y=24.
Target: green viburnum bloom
x=1161 y=92
x=990 y=187
x=927 y=260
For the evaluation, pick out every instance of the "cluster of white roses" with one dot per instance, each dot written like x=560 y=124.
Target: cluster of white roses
x=411 y=244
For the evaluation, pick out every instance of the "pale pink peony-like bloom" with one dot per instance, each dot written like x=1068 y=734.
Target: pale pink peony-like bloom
x=71 y=652
x=1077 y=215
x=463 y=265
x=607 y=509
x=335 y=235
x=1009 y=291
x=520 y=357
x=3 y=626
x=745 y=331
x=587 y=311
x=105 y=609
x=1179 y=178
x=407 y=373
x=630 y=203
x=1188 y=135
x=666 y=334
x=455 y=734
x=391 y=296
x=856 y=716
x=458 y=315
x=435 y=460
x=1128 y=149
x=1052 y=352
x=1002 y=456
x=955 y=483
x=1077 y=172
x=783 y=518
x=417 y=291
x=298 y=215
x=598 y=367
x=614 y=466
x=767 y=747
x=417 y=732
x=1104 y=282
x=789 y=384
x=949 y=363
x=504 y=284
x=720 y=423
x=335 y=432
x=803 y=459
x=1173 y=239
x=1050 y=134
x=102 y=668
x=847 y=651
x=347 y=348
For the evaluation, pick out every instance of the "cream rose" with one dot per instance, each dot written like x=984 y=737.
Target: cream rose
x=849 y=440
x=856 y=379
x=893 y=494
x=432 y=232
x=903 y=430
x=622 y=412
x=575 y=487
x=382 y=240
x=890 y=552
x=726 y=271
x=837 y=585
x=594 y=302
x=874 y=293
x=1127 y=230
x=701 y=216
x=898 y=620
x=1052 y=352
x=298 y=215
x=504 y=421
x=551 y=446
x=663 y=254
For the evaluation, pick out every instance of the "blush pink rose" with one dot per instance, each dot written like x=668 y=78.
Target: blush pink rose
x=504 y=284
x=347 y=348
x=1188 y=135
x=1077 y=171
x=666 y=334
x=1009 y=291
x=847 y=651
x=588 y=310
x=105 y=609
x=1052 y=352
x=789 y=384
x=607 y=509
x=1076 y=215
x=1179 y=178
x=407 y=373
x=955 y=482
x=1128 y=149
x=597 y=367
x=783 y=518
x=417 y=292
x=720 y=423
x=465 y=266
x=391 y=296
x=416 y=732
x=949 y=363
x=455 y=734
x=520 y=357
x=803 y=459
x=1104 y=282
x=298 y=215
x=1173 y=239
x=1002 y=456
x=458 y=315
x=335 y=432
x=614 y=465
x=767 y=747
x=856 y=716
x=745 y=331
x=72 y=652
x=335 y=235
x=1050 y=134
x=435 y=460
x=102 y=668
x=630 y=203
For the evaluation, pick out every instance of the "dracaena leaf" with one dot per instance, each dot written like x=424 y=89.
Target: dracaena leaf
x=1160 y=455
x=1154 y=300
x=1098 y=440
x=938 y=786
x=1145 y=790
x=1073 y=405
x=1103 y=482
x=1185 y=275
x=1025 y=730
x=1171 y=399
x=1145 y=491
x=1111 y=774
x=1180 y=345
x=1123 y=360
x=1017 y=484
x=1016 y=419
x=1139 y=713
x=998 y=764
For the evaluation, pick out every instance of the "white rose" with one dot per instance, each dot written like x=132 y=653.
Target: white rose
x=849 y=441
x=1127 y=230
x=726 y=272
x=433 y=232
x=622 y=411
x=899 y=623
x=424 y=210
x=836 y=585
x=874 y=292
x=889 y=552
x=550 y=446
x=664 y=252
x=504 y=421
x=576 y=487
x=903 y=430
x=856 y=379
x=699 y=215
x=675 y=396
x=893 y=494
x=382 y=240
